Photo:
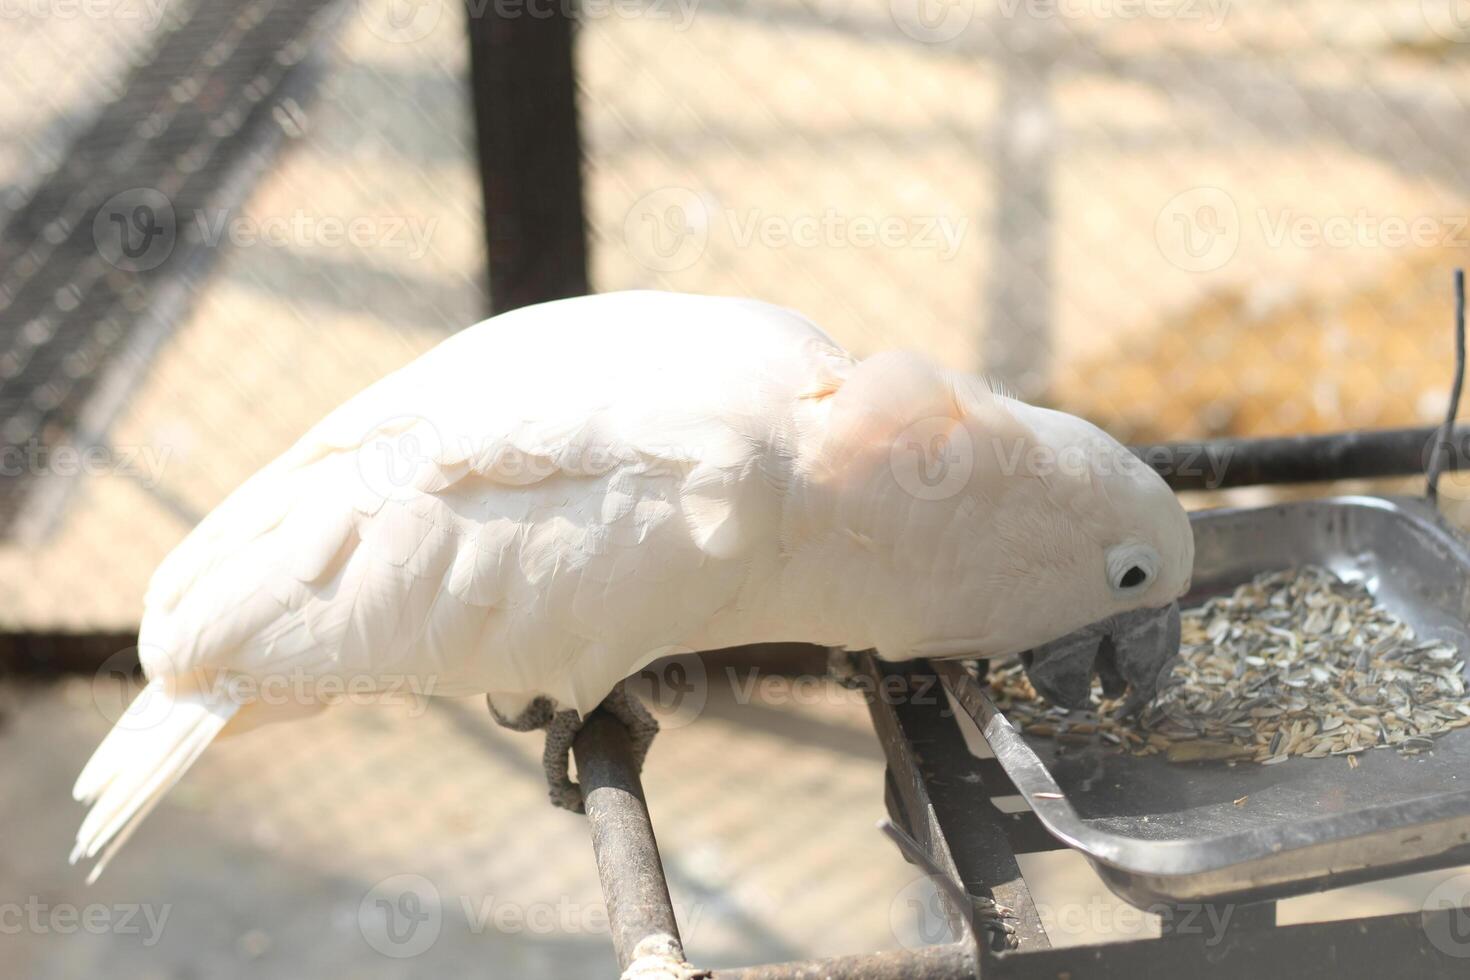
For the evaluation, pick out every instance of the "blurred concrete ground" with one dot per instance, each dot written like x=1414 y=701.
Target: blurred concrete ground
x=270 y=848
x=273 y=854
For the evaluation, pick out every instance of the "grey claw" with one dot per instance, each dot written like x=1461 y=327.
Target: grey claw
x=561 y=729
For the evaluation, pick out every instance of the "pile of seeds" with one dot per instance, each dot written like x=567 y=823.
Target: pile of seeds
x=1292 y=663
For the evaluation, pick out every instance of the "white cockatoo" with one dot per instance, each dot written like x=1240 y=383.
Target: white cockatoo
x=545 y=503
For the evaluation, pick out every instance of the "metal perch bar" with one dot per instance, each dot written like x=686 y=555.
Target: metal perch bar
x=1437 y=460
x=628 y=862
x=949 y=962
x=1218 y=464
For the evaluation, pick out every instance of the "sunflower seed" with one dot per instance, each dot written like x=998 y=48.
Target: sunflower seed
x=1292 y=663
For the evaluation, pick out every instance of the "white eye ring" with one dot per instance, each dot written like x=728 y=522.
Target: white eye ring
x=1131 y=568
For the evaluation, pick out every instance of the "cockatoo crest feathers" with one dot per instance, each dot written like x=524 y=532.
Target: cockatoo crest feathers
x=896 y=397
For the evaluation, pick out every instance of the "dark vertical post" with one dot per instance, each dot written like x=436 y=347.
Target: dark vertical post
x=523 y=85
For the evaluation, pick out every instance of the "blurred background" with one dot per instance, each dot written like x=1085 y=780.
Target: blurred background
x=218 y=220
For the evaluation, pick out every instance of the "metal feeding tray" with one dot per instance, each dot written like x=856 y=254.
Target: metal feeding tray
x=1160 y=831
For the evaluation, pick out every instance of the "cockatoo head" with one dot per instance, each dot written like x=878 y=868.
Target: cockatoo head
x=986 y=527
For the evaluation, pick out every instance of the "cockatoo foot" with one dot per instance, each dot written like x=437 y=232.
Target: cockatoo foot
x=997 y=922
x=562 y=727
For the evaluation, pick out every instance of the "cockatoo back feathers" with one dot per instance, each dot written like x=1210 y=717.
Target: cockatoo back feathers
x=496 y=464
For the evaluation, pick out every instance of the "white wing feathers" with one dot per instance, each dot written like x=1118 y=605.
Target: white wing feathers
x=519 y=510
x=158 y=738
x=540 y=505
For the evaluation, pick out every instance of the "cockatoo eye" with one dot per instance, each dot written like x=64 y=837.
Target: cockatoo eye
x=1131 y=567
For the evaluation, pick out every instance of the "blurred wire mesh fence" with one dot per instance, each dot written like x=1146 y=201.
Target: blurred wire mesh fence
x=1179 y=218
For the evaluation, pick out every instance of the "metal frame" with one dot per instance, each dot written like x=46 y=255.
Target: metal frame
x=135 y=224
x=943 y=796
x=525 y=104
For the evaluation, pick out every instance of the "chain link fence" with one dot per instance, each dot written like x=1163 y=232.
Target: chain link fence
x=1179 y=218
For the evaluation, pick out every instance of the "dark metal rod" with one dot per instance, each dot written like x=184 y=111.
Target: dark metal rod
x=949 y=962
x=1422 y=944
x=628 y=863
x=1217 y=464
x=935 y=794
x=1226 y=918
x=1437 y=459
x=523 y=82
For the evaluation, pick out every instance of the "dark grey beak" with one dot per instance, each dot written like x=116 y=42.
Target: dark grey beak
x=1129 y=652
